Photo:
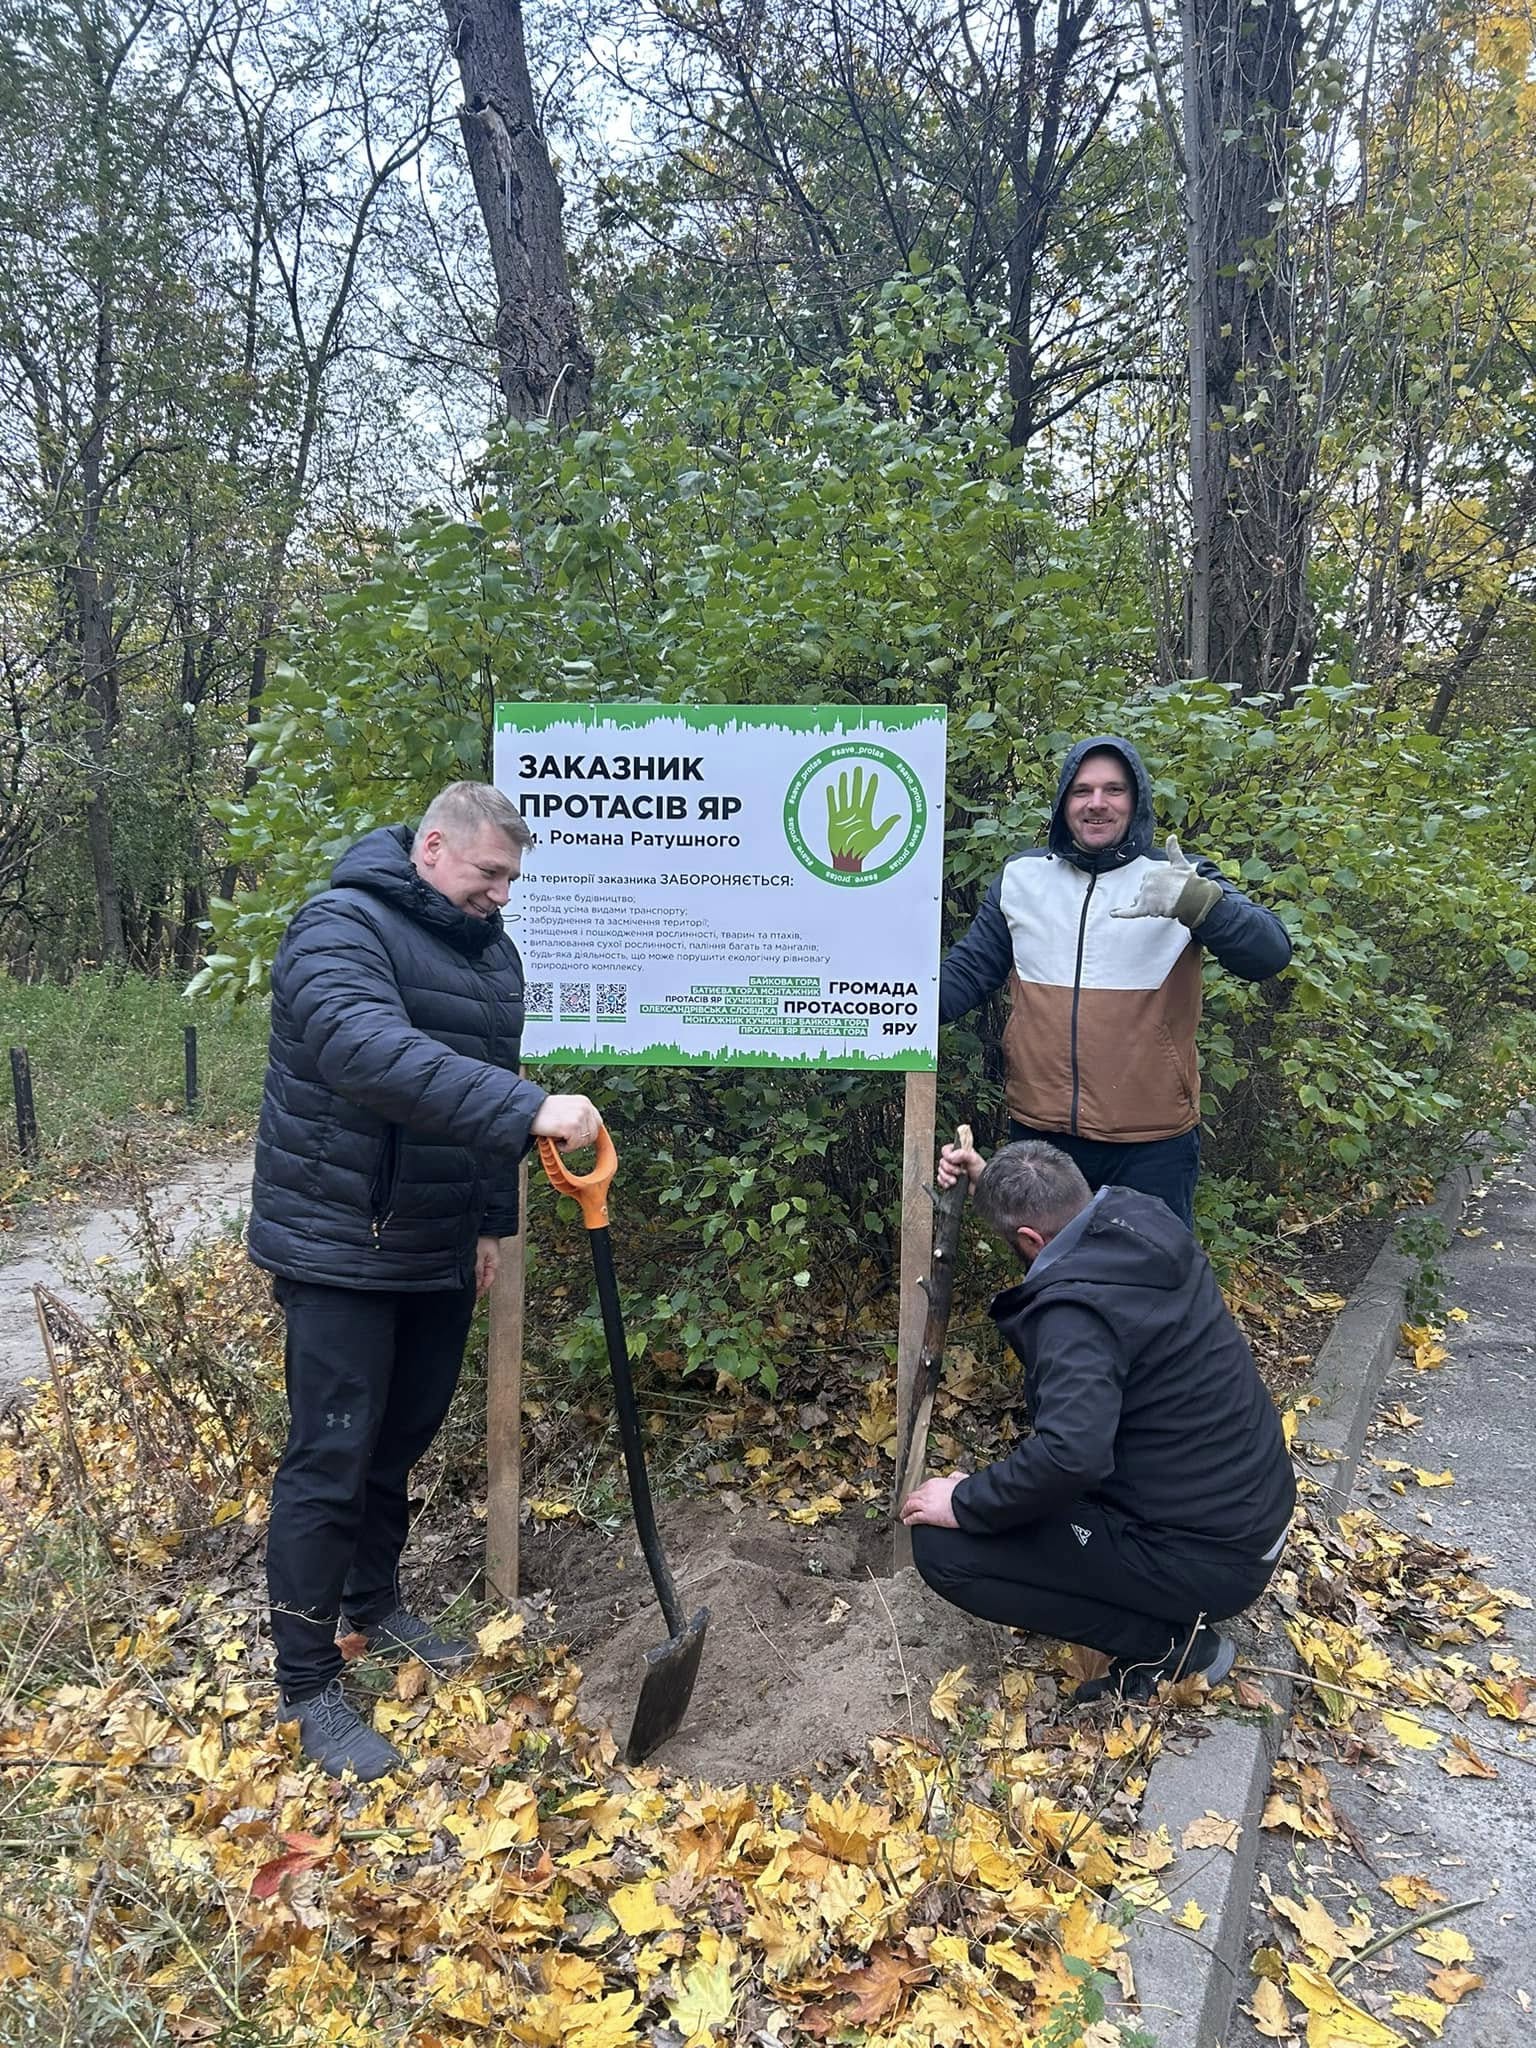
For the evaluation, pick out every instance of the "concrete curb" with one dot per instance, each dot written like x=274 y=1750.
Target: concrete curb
x=1188 y=1983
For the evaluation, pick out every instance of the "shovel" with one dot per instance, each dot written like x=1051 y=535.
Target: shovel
x=948 y=1212
x=670 y=1670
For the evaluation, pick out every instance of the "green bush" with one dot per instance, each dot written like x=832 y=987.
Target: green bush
x=746 y=532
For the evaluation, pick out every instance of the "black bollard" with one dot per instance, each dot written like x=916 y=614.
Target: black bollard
x=26 y=1114
x=189 y=1048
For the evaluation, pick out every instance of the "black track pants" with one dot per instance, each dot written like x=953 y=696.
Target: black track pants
x=370 y=1377
x=1089 y=1578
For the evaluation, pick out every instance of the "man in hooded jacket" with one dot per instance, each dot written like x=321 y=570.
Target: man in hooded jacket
x=1152 y=1496
x=392 y=1126
x=1100 y=938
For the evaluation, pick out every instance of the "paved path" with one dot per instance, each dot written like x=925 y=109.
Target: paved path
x=207 y=1196
x=1470 y=1838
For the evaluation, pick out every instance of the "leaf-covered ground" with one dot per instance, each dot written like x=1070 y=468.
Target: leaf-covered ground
x=176 y=1872
x=180 y=1874
x=1393 y=1903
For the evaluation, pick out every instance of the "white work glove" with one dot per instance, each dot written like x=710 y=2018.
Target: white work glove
x=1174 y=889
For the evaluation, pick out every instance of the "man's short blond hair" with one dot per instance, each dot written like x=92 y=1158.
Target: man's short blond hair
x=459 y=811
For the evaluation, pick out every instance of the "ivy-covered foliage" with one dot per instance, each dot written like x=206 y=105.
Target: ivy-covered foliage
x=746 y=532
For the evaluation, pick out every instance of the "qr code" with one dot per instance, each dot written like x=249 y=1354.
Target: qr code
x=575 y=998
x=612 y=998
x=540 y=1000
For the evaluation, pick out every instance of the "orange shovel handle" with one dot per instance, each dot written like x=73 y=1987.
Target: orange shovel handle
x=590 y=1189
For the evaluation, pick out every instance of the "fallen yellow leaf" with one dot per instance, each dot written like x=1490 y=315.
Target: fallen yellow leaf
x=1412 y=1892
x=205 y=1753
x=499 y=1633
x=848 y=1827
x=1423 y=1342
x=602 y=2022
x=1452 y=1984
x=944 y=1701
x=1212 y=1831
x=1463 y=1761
x=1334 y=2021
x=1444 y=1945
x=638 y=1910
x=1189 y=1915
x=705 y=1997
x=1401 y=1417
x=1312 y=1922
x=495 y=1836
x=824 y=1505
x=1445 y=1478
x=412 y=1679
x=1409 y=1731
x=1271 y=2014
x=1428 y=2013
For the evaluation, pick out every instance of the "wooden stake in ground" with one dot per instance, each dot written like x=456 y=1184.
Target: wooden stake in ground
x=938 y=1288
x=504 y=1409
x=26 y=1115
x=918 y=1117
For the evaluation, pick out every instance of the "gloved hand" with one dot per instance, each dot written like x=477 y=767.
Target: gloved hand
x=1174 y=890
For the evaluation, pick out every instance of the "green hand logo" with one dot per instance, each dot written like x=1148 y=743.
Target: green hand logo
x=852 y=834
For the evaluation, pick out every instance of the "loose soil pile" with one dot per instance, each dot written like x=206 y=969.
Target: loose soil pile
x=811 y=1650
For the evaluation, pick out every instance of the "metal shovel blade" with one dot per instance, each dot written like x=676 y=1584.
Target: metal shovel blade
x=670 y=1671
x=666 y=1689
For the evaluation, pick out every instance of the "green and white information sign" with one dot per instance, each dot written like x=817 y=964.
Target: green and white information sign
x=727 y=885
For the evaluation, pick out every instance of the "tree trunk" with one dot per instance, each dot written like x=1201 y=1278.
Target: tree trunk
x=91 y=599
x=1250 y=623
x=1048 y=136
x=545 y=366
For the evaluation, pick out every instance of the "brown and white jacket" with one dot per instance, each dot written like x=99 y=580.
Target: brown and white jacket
x=1101 y=1039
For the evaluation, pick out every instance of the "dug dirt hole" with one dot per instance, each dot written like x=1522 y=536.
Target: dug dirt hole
x=812 y=1646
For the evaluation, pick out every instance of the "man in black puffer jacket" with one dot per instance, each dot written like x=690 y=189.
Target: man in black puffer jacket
x=1153 y=1495
x=392 y=1127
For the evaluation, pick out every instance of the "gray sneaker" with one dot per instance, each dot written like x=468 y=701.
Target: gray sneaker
x=403 y=1634
x=334 y=1734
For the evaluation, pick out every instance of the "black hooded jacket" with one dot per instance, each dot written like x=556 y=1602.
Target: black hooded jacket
x=1101 y=1038
x=1142 y=1393
x=393 y=1119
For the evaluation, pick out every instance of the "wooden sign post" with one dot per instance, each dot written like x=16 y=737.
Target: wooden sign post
x=504 y=1408
x=725 y=886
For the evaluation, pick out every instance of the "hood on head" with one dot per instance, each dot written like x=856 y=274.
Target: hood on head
x=380 y=862
x=1138 y=839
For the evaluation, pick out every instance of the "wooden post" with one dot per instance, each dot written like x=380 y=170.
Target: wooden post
x=504 y=1409
x=26 y=1114
x=917 y=1157
x=189 y=1062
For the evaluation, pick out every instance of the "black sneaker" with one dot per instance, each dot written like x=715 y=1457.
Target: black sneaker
x=1210 y=1656
x=335 y=1735
x=403 y=1634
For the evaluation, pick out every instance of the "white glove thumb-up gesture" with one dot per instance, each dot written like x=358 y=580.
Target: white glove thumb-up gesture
x=1174 y=889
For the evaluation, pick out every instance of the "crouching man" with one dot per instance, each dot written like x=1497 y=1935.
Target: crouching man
x=1152 y=1498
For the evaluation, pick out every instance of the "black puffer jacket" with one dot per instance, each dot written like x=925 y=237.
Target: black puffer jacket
x=393 y=1119
x=1142 y=1391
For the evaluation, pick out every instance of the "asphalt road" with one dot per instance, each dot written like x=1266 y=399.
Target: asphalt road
x=1470 y=1838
